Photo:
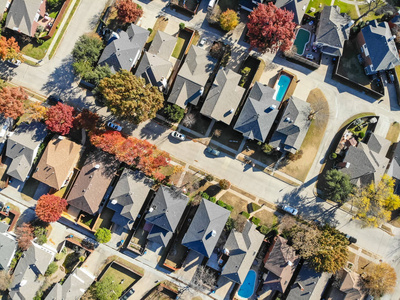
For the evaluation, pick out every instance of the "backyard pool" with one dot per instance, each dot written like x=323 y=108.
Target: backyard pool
x=281 y=87
x=302 y=38
x=246 y=290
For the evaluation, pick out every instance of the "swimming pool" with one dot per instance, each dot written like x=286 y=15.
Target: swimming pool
x=281 y=87
x=302 y=39
x=246 y=290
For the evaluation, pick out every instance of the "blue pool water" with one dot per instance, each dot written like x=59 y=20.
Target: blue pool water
x=281 y=87
x=246 y=290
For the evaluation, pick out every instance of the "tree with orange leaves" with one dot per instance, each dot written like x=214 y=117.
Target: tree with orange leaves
x=128 y=11
x=50 y=207
x=9 y=49
x=12 y=101
x=36 y=111
x=86 y=120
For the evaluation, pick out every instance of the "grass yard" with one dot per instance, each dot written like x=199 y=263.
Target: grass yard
x=267 y=218
x=256 y=153
x=104 y=221
x=37 y=51
x=370 y=16
x=178 y=48
x=393 y=132
x=196 y=38
x=236 y=202
x=347 y=8
x=160 y=24
x=362 y=264
x=3 y=176
x=120 y=273
x=260 y=71
x=315 y=4
x=352 y=257
x=300 y=168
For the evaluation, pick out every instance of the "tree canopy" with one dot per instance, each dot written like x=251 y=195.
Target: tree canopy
x=86 y=120
x=129 y=97
x=174 y=112
x=25 y=236
x=108 y=288
x=50 y=207
x=270 y=28
x=60 y=118
x=338 y=186
x=228 y=20
x=380 y=279
x=374 y=203
x=12 y=101
x=103 y=235
x=128 y=11
x=9 y=49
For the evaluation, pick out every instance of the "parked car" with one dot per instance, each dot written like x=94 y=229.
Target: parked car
x=213 y=151
x=290 y=210
x=114 y=126
x=202 y=41
x=54 y=99
x=178 y=135
x=128 y=293
x=14 y=62
x=351 y=239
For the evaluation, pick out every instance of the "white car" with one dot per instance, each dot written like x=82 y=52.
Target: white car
x=290 y=210
x=178 y=135
x=114 y=126
x=203 y=41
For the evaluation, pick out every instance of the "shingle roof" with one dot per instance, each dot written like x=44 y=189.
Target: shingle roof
x=8 y=245
x=92 y=182
x=224 y=96
x=333 y=30
x=3 y=227
x=243 y=248
x=52 y=170
x=162 y=45
x=293 y=126
x=258 y=113
x=153 y=69
x=394 y=169
x=129 y=196
x=22 y=146
x=21 y=15
x=304 y=285
x=123 y=52
x=381 y=47
x=295 y=6
x=351 y=285
x=159 y=236
x=192 y=77
x=206 y=227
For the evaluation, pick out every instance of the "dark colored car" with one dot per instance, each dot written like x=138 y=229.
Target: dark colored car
x=128 y=293
x=54 y=99
x=351 y=239
x=213 y=151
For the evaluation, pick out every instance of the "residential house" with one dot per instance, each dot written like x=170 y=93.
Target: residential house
x=223 y=97
x=32 y=264
x=350 y=286
x=306 y=283
x=242 y=248
x=377 y=47
x=165 y=213
x=367 y=162
x=56 y=166
x=394 y=168
x=73 y=287
x=23 y=16
x=281 y=261
x=4 y=4
x=205 y=228
x=124 y=48
x=333 y=30
x=155 y=66
x=8 y=246
x=128 y=197
x=192 y=77
x=5 y=126
x=92 y=182
x=22 y=147
x=292 y=127
x=258 y=113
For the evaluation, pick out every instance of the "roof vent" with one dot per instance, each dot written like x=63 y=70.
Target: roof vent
x=60 y=137
x=289 y=263
x=131 y=60
x=347 y=165
x=97 y=166
x=113 y=202
x=201 y=90
x=273 y=106
x=231 y=110
x=213 y=233
x=391 y=38
x=287 y=119
x=23 y=282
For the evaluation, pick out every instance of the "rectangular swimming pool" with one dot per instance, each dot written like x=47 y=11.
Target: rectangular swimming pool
x=281 y=87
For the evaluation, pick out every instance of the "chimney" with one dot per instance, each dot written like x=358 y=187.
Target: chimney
x=60 y=137
x=231 y=110
x=113 y=202
x=392 y=38
x=213 y=233
x=350 y=23
x=201 y=90
x=287 y=119
x=97 y=166
x=272 y=107
x=289 y=263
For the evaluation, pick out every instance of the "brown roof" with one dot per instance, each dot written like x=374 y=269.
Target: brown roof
x=351 y=285
x=58 y=160
x=92 y=182
x=281 y=261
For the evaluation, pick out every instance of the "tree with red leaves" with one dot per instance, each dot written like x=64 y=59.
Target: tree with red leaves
x=24 y=236
x=128 y=11
x=270 y=28
x=60 y=118
x=109 y=141
x=50 y=207
x=9 y=49
x=12 y=101
x=86 y=120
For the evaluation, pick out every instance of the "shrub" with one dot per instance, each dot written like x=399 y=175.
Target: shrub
x=230 y=224
x=41 y=239
x=229 y=207
x=295 y=156
x=82 y=258
x=150 y=30
x=103 y=235
x=224 y=184
x=51 y=269
x=361 y=134
x=245 y=73
x=209 y=177
x=333 y=155
x=267 y=149
x=213 y=199
x=255 y=206
x=205 y=195
x=274 y=232
x=245 y=214
x=182 y=26
x=59 y=256
x=221 y=203
x=264 y=229
x=174 y=113
x=256 y=221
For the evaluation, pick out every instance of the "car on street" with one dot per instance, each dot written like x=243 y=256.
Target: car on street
x=128 y=293
x=203 y=41
x=14 y=62
x=351 y=239
x=213 y=151
x=290 y=210
x=54 y=99
x=114 y=126
x=178 y=135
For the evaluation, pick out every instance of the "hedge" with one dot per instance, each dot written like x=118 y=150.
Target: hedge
x=255 y=206
x=246 y=214
x=213 y=199
x=264 y=229
x=205 y=196
x=221 y=203
x=256 y=221
x=229 y=207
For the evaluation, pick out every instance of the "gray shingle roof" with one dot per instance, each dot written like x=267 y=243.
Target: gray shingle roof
x=8 y=245
x=295 y=6
x=22 y=148
x=305 y=283
x=21 y=15
x=153 y=69
x=129 y=194
x=224 y=95
x=159 y=236
x=394 y=169
x=243 y=248
x=293 y=126
x=333 y=30
x=73 y=287
x=123 y=52
x=192 y=77
x=381 y=47
x=162 y=45
x=257 y=115
x=3 y=227
x=206 y=227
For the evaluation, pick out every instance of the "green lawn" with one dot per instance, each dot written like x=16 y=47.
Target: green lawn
x=178 y=47
x=370 y=16
x=347 y=8
x=315 y=4
x=119 y=274
x=37 y=51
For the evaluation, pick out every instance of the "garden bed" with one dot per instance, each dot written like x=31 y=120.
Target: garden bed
x=251 y=64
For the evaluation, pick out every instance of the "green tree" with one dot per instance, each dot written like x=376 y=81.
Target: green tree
x=103 y=235
x=97 y=74
x=174 y=112
x=51 y=269
x=338 y=186
x=108 y=288
x=129 y=97
x=228 y=20
x=374 y=203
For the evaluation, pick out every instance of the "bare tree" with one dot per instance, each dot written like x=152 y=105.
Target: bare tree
x=189 y=120
x=372 y=6
x=5 y=280
x=240 y=222
x=203 y=279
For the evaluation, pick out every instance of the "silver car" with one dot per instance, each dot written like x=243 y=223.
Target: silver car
x=290 y=210
x=178 y=135
x=114 y=126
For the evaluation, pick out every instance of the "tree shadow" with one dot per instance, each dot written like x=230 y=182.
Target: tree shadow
x=7 y=72
x=152 y=131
